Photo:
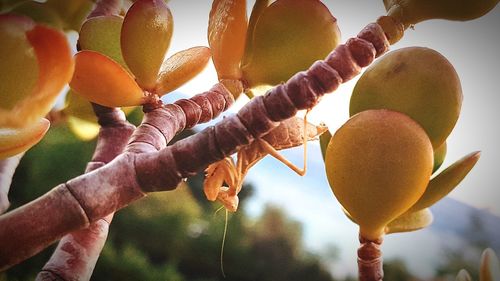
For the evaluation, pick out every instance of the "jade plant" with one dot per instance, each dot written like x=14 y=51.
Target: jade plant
x=291 y=47
x=379 y=163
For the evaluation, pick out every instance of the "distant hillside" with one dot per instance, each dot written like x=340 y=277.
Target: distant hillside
x=456 y=218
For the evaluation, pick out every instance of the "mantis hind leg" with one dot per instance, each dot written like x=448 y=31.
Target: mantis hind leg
x=274 y=153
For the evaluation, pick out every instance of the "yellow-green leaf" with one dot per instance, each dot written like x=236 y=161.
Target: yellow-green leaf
x=258 y=7
x=83 y=129
x=101 y=80
x=432 y=96
x=102 y=34
x=16 y=140
x=414 y=11
x=439 y=155
x=227 y=28
x=378 y=165
x=287 y=38
x=324 y=139
x=73 y=12
x=490 y=266
x=78 y=106
x=410 y=221
x=180 y=68
x=40 y=13
x=18 y=62
x=55 y=70
x=446 y=181
x=463 y=275
x=145 y=37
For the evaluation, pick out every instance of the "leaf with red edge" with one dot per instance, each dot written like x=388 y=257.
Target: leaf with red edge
x=16 y=140
x=227 y=28
x=102 y=80
x=55 y=70
x=145 y=37
x=180 y=68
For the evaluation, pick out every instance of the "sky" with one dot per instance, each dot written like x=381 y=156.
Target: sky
x=472 y=47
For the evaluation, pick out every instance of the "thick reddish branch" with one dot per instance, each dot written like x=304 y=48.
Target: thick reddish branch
x=129 y=176
x=370 y=263
x=161 y=124
x=77 y=253
x=7 y=168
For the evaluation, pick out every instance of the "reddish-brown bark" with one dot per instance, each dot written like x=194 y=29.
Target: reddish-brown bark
x=370 y=263
x=161 y=124
x=130 y=175
x=77 y=253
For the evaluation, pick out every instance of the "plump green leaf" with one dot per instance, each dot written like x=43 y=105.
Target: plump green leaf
x=432 y=96
x=410 y=221
x=145 y=38
x=16 y=140
x=227 y=28
x=439 y=155
x=446 y=181
x=40 y=13
x=324 y=139
x=102 y=80
x=72 y=13
x=180 y=68
x=414 y=11
x=378 y=165
x=102 y=34
x=288 y=36
x=18 y=62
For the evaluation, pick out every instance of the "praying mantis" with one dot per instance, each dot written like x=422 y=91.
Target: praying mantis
x=290 y=133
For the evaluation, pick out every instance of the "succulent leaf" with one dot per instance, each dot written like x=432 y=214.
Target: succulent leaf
x=145 y=38
x=378 y=165
x=227 y=27
x=414 y=11
x=101 y=80
x=102 y=34
x=16 y=140
x=288 y=36
x=432 y=96
x=180 y=68
x=446 y=181
x=410 y=221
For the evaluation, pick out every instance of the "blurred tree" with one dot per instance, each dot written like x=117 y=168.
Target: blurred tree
x=468 y=255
